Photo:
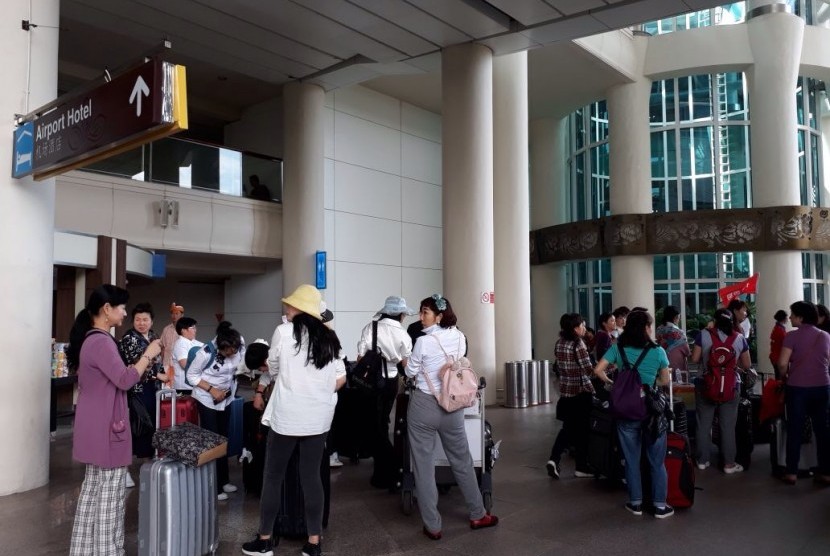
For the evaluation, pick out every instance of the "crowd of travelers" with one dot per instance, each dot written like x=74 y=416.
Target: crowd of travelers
x=799 y=358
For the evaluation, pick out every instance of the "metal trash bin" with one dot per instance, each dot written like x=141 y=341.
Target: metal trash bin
x=545 y=368
x=515 y=383
x=533 y=383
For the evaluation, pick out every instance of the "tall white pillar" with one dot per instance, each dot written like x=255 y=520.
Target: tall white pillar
x=303 y=195
x=467 y=154
x=548 y=207
x=775 y=40
x=632 y=277
x=511 y=212
x=27 y=223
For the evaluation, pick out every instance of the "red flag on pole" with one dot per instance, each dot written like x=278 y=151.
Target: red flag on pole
x=732 y=291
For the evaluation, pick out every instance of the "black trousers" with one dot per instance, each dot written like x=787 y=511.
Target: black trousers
x=384 y=473
x=216 y=421
x=576 y=426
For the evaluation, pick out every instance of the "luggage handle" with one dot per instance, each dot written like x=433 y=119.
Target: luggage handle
x=159 y=396
x=671 y=402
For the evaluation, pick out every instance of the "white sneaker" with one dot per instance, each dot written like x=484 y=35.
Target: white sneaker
x=583 y=475
x=222 y=497
x=737 y=468
x=334 y=460
x=130 y=483
x=703 y=466
x=229 y=488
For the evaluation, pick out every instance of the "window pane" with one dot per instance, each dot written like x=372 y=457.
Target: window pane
x=658 y=155
x=701 y=96
x=661 y=268
x=737 y=147
x=579 y=131
x=683 y=97
x=688 y=195
x=703 y=150
x=814 y=176
x=705 y=193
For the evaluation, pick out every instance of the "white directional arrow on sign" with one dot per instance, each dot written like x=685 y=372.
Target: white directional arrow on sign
x=140 y=88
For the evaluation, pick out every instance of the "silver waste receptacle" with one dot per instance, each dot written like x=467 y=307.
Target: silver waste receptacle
x=515 y=383
x=533 y=383
x=544 y=381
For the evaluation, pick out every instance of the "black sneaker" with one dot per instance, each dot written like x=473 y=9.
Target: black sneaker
x=553 y=468
x=258 y=547
x=636 y=509
x=312 y=549
x=663 y=513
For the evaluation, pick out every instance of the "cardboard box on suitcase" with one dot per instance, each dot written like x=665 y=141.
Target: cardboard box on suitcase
x=177 y=504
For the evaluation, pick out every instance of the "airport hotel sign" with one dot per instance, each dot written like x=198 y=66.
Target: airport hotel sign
x=138 y=106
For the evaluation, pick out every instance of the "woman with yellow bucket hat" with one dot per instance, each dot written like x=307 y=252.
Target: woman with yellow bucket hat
x=305 y=364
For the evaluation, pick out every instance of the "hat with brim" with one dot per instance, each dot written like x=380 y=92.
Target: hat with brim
x=305 y=298
x=395 y=305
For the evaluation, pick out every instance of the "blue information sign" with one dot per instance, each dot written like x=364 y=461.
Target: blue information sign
x=23 y=150
x=320 y=270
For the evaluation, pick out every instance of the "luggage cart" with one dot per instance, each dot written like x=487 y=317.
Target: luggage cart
x=483 y=449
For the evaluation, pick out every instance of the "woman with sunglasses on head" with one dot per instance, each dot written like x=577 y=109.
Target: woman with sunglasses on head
x=101 y=435
x=211 y=374
x=428 y=420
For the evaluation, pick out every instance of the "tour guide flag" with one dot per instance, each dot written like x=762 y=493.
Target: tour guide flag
x=730 y=292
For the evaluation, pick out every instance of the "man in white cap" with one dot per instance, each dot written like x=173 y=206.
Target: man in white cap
x=395 y=346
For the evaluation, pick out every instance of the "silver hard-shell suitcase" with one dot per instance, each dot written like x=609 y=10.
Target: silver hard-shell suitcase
x=177 y=505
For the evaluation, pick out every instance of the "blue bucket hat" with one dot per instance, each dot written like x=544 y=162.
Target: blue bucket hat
x=395 y=305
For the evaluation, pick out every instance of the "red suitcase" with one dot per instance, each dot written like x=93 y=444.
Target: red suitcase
x=186 y=411
x=680 y=468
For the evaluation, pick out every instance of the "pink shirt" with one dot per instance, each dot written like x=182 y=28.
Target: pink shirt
x=810 y=356
x=103 y=380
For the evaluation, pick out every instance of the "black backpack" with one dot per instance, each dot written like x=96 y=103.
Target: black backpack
x=370 y=373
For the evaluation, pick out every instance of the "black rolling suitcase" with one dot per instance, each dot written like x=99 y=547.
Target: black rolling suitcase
x=290 y=521
x=604 y=455
x=254 y=435
x=354 y=423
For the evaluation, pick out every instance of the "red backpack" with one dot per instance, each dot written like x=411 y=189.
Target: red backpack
x=721 y=376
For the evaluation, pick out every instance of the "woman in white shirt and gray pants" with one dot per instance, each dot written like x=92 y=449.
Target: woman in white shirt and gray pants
x=427 y=419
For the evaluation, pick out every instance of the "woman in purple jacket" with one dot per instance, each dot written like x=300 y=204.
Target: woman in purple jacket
x=102 y=422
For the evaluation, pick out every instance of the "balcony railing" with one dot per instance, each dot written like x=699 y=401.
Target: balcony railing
x=190 y=164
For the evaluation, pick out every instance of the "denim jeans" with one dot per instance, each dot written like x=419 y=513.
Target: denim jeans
x=803 y=403
x=632 y=439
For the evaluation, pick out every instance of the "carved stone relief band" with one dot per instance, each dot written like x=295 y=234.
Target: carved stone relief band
x=790 y=228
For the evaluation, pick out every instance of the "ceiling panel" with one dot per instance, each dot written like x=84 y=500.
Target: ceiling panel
x=526 y=12
x=696 y=5
x=567 y=29
x=226 y=24
x=570 y=7
x=633 y=14
x=481 y=22
x=369 y=24
x=416 y=20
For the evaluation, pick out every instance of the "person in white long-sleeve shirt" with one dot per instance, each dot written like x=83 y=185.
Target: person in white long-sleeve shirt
x=395 y=345
x=212 y=378
x=427 y=419
x=186 y=327
x=305 y=366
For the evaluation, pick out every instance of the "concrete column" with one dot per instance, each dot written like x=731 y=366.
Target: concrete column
x=548 y=207
x=303 y=213
x=467 y=153
x=27 y=223
x=632 y=277
x=775 y=40
x=511 y=212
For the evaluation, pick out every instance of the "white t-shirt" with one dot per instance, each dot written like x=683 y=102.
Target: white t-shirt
x=427 y=356
x=304 y=396
x=394 y=343
x=180 y=350
x=746 y=327
x=219 y=374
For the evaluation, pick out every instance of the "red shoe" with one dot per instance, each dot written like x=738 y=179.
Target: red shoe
x=486 y=521
x=432 y=536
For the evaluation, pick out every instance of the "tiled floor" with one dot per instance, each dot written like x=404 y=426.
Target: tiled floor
x=742 y=514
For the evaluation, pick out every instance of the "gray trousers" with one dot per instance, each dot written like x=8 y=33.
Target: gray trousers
x=425 y=419
x=728 y=414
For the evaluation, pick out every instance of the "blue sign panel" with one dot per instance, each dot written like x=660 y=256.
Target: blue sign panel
x=159 y=265
x=23 y=150
x=320 y=270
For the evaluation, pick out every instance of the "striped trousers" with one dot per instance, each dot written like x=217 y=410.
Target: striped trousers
x=99 y=516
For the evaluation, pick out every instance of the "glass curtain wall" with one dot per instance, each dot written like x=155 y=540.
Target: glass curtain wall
x=700 y=160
